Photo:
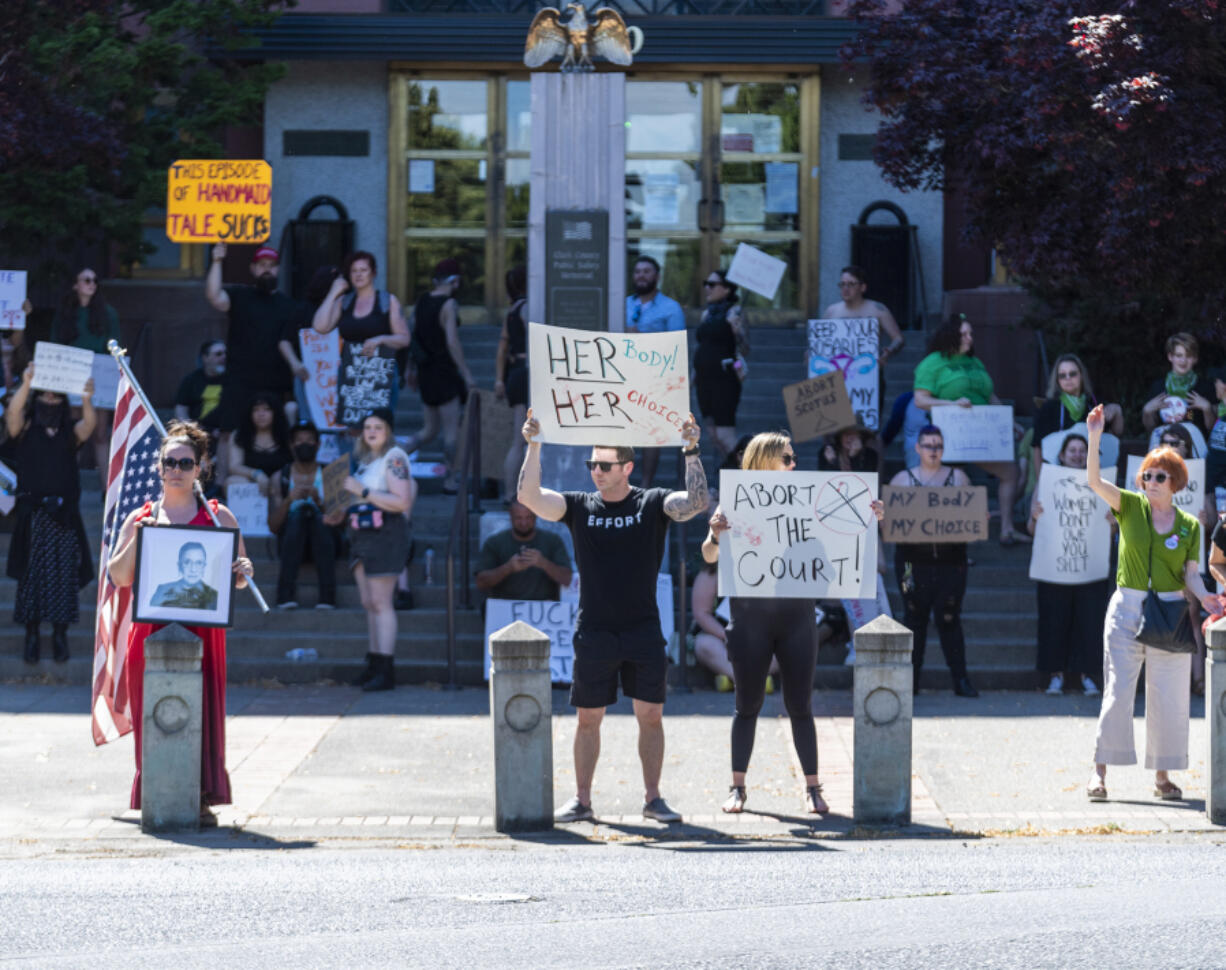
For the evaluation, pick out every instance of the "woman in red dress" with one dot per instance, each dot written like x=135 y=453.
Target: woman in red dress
x=183 y=458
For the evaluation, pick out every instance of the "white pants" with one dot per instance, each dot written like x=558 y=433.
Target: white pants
x=1166 y=691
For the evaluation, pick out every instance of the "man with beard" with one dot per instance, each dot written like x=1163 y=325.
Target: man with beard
x=523 y=563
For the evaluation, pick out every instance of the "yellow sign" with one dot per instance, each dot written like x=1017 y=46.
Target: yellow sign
x=213 y=200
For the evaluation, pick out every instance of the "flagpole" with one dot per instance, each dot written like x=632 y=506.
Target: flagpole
x=121 y=358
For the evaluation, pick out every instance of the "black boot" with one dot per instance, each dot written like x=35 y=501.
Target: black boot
x=59 y=642
x=30 y=655
x=385 y=674
x=964 y=688
x=367 y=675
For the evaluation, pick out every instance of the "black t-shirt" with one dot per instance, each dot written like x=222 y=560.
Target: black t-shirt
x=618 y=549
x=200 y=394
x=258 y=320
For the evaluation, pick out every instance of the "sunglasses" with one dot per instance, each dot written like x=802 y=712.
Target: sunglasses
x=933 y=447
x=788 y=458
x=712 y=282
x=183 y=464
x=1158 y=477
x=604 y=466
x=89 y=279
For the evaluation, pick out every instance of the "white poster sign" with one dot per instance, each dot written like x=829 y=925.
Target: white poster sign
x=250 y=508
x=850 y=347
x=1072 y=539
x=1190 y=498
x=756 y=270
x=321 y=356
x=1052 y=444
x=798 y=534
x=106 y=381
x=983 y=433
x=12 y=298
x=60 y=368
x=591 y=388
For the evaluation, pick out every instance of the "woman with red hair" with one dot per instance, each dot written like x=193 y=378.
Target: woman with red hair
x=1159 y=546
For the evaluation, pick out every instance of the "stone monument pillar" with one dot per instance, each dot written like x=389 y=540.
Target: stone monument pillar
x=881 y=705
x=1215 y=723
x=521 y=709
x=171 y=729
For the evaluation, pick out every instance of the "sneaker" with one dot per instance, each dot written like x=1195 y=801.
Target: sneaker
x=658 y=809
x=770 y=684
x=723 y=683
x=1056 y=686
x=574 y=811
x=325 y=606
x=288 y=605
x=1089 y=687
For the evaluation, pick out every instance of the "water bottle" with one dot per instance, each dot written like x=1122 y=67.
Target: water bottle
x=430 y=566
x=299 y=654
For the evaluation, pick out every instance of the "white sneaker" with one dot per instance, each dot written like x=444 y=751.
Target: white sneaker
x=1089 y=687
x=1056 y=686
x=288 y=605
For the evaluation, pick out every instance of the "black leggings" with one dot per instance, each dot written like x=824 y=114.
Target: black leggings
x=936 y=589
x=761 y=629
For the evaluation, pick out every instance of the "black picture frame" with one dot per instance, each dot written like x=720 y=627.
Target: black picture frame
x=159 y=575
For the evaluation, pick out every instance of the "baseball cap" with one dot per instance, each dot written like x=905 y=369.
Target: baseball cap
x=447 y=267
x=266 y=252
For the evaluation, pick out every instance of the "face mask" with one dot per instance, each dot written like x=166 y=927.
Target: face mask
x=47 y=415
x=305 y=453
x=267 y=283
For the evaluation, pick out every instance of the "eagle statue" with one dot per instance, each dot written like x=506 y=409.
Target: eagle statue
x=577 y=38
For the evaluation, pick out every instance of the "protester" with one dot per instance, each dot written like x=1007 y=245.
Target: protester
x=200 y=391
x=932 y=575
x=1159 y=549
x=1215 y=453
x=511 y=371
x=848 y=450
x=182 y=459
x=1070 y=614
x=523 y=562
x=260 y=446
x=619 y=532
x=952 y=374
x=1181 y=395
x=719 y=368
x=650 y=311
x=296 y=517
x=379 y=538
x=708 y=629
x=442 y=375
x=48 y=552
x=1070 y=395
x=853 y=284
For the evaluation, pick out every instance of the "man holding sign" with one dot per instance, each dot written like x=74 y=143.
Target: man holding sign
x=618 y=534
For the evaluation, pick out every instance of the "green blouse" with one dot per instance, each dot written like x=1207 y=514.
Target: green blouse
x=86 y=338
x=950 y=378
x=1136 y=533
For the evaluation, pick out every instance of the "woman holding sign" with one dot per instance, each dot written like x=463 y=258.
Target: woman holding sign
x=723 y=342
x=1159 y=550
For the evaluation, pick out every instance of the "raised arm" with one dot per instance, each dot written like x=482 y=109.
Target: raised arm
x=218 y=298
x=545 y=502
x=682 y=506
x=710 y=545
x=89 y=417
x=1108 y=491
x=329 y=312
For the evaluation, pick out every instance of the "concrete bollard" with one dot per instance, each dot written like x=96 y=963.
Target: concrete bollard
x=882 y=726
x=171 y=728
x=1215 y=723
x=521 y=709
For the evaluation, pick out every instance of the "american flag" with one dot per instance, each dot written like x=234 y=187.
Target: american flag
x=131 y=481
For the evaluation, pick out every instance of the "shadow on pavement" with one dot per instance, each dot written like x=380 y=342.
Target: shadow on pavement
x=222 y=837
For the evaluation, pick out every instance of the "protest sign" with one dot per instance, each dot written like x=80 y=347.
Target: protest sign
x=1190 y=498
x=105 y=373
x=12 y=298
x=756 y=270
x=817 y=406
x=983 y=433
x=1051 y=445
x=212 y=200
x=60 y=368
x=1072 y=538
x=250 y=508
x=850 y=347
x=609 y=389
x=553 y=618
x=798 y=534
x=321 y=356
x=917 y=513
x=334 y=475
x=365 y=383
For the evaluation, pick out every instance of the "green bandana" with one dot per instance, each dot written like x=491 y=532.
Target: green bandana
x=1179 y=387
x=1221 y=409
x=1075 y=406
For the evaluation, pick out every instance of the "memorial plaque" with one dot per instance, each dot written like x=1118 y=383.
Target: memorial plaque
x=577 y=269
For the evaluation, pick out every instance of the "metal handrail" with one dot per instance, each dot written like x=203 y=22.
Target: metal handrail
x=468 y=461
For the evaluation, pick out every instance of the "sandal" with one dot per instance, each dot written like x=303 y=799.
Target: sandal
x=814 y=803
x=1169 y=792
x=1096 y=791
x=736 y=800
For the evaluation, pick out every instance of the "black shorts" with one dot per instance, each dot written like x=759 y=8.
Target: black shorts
x=636 y=656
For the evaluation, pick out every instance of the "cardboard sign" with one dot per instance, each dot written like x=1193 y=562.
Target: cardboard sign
x=321 y=356
x=365 y=383
x=756 y=270
x=591 y=388
x=798 y=534
x=211 y=200
x=60 y=368
x=250 y=508
x=983 y=433
x=917 y=513
x=335 y=495
x=12 y=298
x=817 y=406
x=1052 y=444
x=1072 y=538
x=850 y=347
x=1190 y=498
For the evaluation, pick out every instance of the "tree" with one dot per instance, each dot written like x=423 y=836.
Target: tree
x=97 y=97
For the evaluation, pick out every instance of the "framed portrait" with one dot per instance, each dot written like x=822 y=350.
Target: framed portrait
x=184 y=574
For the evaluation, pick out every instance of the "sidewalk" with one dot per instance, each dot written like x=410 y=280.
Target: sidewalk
x=319 y=763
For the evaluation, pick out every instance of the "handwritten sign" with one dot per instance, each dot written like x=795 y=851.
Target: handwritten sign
x=983 y=433
x=798 y=534
x=555 y=619
x=918 y=514
x=756 y=270
x=12 y=298
x=850 y=348
x=321 y=356
x=335 y=495
x=211 y=200
x=1190 y=498
x=591 y=388
x=818 y=406
x=250 y=508
x=365 y=383
x=61 y=368
x=1072 y=538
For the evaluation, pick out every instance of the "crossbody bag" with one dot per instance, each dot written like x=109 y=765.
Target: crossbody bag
x=1165 y=624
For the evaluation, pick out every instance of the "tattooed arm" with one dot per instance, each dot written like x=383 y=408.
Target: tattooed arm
x=545 y=502
x=681 y=506
x=400 y=491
